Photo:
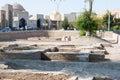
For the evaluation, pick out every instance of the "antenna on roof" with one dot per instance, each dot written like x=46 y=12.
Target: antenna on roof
x=57 y=2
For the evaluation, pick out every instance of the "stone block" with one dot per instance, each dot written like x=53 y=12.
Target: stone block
x=65 y=56
x=66 y=38
x=95 y=57
x=61 y=56
x=101 y=78
x=73 y=78
x=26 y=54
x=3 y=66
x=85 y=51
x=68 y=50
x=2 y=50
x=83 y=57
x=100 y=51
x=33 y=38
x=54 y=49
x=13 y=45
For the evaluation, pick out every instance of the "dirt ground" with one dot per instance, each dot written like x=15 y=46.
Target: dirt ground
x=31 y=69
x=31 y=76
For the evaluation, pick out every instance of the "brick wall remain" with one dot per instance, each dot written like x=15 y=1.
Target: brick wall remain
x=36 y=33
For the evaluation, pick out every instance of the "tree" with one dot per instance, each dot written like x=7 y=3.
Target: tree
x=86 y=23
x=116 y=24
x=117 y=21
x=90 y=6
x=105 y=20
x=64 y=24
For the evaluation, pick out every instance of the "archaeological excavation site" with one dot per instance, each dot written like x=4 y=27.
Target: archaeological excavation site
x=59 y=55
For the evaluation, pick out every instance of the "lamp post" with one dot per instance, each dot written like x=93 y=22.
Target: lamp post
x=85 y=4
x=108 y=20
x=57 y=2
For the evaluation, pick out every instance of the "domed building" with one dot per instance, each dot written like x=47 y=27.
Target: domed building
x=55 y=18
x=20 y=16
x=15 y=16
x=6 y=16
x=17 y=8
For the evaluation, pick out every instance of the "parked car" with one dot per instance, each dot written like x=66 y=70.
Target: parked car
x=15 y=29
x=29 y=28
x=6 y=29
x=0 y=29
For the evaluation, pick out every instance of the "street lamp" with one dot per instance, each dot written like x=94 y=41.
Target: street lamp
x=108 y=20
x=57 y=2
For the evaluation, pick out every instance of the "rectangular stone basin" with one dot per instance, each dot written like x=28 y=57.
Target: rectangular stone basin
x=21 y=54
x=71 y=56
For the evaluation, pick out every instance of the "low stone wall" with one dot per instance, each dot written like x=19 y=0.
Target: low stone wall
x=36 y=33
x=32 y=76
x=107 y=34
x=71 y=56
x=20 y=55
x=113 y=36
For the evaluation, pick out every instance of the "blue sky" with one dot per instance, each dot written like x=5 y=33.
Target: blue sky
x=66 y=6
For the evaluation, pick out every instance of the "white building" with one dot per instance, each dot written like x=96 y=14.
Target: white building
x=70 y=17
x=14 y=15
x=17 y=16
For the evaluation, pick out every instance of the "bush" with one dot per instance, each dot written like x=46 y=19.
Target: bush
x=86 y=23
x=116 y=27
x=82 y=32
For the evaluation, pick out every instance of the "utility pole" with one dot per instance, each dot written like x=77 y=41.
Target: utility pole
x=57 y=2
x=108 y=20
x=85 y=4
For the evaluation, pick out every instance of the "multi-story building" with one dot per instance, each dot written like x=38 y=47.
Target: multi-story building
x=71 y=17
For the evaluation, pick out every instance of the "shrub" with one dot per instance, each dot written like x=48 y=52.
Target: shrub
x=116 y=27
x=82 y=32
x=86 y=23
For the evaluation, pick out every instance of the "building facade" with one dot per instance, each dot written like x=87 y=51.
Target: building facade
x=71 y=17
x=14 y=15
x=8 y=15
x=2 y=19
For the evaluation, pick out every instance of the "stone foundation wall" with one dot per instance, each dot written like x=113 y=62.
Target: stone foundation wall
x=32 y=76
x=33 y=56
x=36 y=33
x=107 y=34
x=110 y=35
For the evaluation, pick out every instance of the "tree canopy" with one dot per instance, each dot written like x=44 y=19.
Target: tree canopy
x=84 y=22
x=105 y=20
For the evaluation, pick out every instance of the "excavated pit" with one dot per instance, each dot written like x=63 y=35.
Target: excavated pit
x=53 y=53
x=72 y=53
x=64 y=53
x=38 y=60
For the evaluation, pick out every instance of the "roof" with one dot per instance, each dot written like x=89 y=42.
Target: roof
x=55 y=16
x=17 y=6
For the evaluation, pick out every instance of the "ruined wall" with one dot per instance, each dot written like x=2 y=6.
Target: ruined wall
x=110 y=35
x=36 y=33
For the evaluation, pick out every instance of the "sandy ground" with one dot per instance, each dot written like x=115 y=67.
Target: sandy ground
x=114 y=52
x=80 y=69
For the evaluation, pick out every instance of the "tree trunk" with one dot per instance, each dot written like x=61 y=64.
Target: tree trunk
x=90 y=6
x=87 y=33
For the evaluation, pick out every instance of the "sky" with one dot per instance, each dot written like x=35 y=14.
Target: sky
x=65 y=6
